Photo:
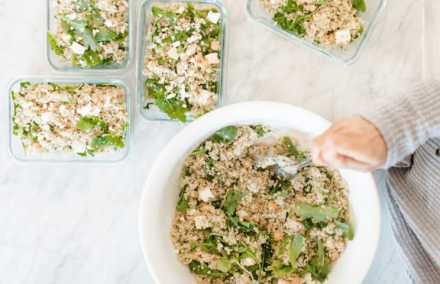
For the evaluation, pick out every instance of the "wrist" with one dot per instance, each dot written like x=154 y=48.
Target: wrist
x=382 y=119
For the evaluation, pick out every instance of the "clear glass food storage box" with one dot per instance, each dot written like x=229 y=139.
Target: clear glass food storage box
x=60 y=64
x=146 y=105
x=348 y=55
x=16 y=146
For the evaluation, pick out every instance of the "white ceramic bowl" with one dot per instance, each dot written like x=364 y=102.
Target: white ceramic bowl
x=161 y=191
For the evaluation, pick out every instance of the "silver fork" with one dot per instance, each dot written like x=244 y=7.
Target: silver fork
x=289 y=168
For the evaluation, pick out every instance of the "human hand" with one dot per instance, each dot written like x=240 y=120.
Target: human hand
x=353 y=143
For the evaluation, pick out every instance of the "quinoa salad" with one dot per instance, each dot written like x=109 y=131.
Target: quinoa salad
x=81 y=119
x=182 y=62
x=238 y=220
x=90 y=33
x=328 y=23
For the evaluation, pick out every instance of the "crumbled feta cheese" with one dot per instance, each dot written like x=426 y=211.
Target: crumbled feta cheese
x=109 y=23
x=279 y=201
x=79 y=147
x=175 y=44
x=191 y=50
x=343 y=37
x=293 y=226
x=182 y=93
x=206 y=195
x=89 y=110
x=202 y=98
x=191 y=212
x=78 y=48
x=212 y=58
x=85 y=110
x=252 y=187
x=201 y=222
x=248 y=261
x=242 y=213
x=181 y=9
x=63 y=111
x=172 y=53
x=66 y=38
x=215 y=45
x=171 y=95
x=71 y=17
x=46 y=117
x=194 y=38
x=213 y=17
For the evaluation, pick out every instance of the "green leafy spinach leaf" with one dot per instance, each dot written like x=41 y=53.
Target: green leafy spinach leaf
x=203 y=269
x=182 y=203
x=58 y=50
x=225 y=135
x=316 y=213
x=103 y=141
x=295 y=248
x=231 y=202
x=347 y=229
x=87 y=123
x=319 y=266
x=292 y=150
x=359 y=5
x=174 y=108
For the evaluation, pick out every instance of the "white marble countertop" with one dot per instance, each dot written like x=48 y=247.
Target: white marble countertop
x=78 y=223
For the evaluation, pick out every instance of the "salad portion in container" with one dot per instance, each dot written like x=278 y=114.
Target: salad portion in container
x=328 y=23
x=88 y=34
x=68 y=120
x=240 y=220
x=182 y=61
x=335 y=28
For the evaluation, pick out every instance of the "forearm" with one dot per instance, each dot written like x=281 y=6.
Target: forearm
x=409 y=121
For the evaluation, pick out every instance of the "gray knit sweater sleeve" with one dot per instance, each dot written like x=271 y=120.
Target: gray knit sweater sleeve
x=408 y=121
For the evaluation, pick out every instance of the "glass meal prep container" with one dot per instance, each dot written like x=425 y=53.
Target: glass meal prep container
x=68 y=117
x=168 y=111
x=96 y=44
x=347 y=55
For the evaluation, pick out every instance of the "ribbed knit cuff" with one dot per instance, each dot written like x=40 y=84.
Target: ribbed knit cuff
x=386 y=122
x=407 y=121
